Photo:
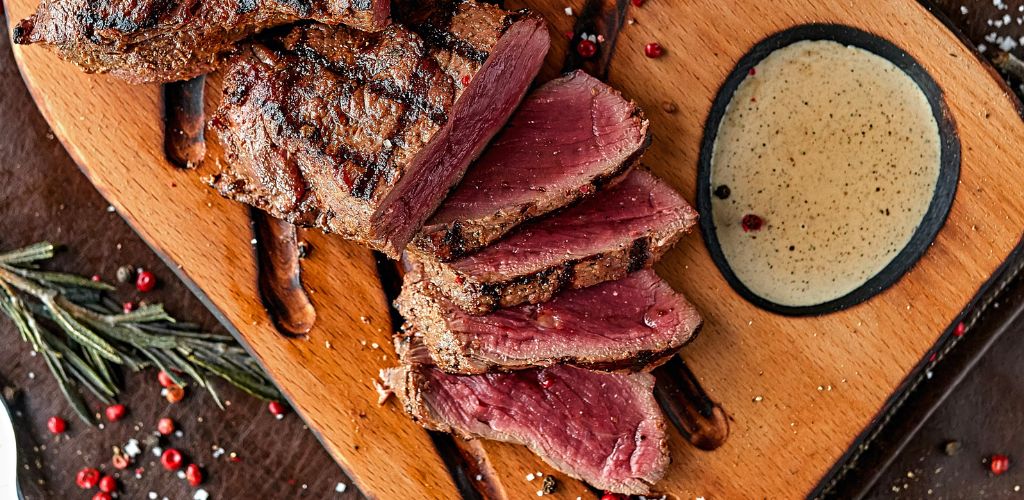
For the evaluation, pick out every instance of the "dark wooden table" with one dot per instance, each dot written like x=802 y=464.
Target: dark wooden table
x=43 y=196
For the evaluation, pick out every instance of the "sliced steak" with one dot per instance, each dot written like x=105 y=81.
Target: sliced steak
x=625 y=229
x=166 y=40
x=603 y=428
x=363 y=134
x=627 y=324
x=570 y=137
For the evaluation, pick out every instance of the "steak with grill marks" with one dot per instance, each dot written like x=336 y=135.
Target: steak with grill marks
x=603 y=428
x=363 y=134
x=628 y=324
x=146 y=41
x=571 y=137
x=626 y=228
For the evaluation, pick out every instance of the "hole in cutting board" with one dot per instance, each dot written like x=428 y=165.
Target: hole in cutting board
x=773 y=296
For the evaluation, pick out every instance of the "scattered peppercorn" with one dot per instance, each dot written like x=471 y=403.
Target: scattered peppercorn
x=164 y=379
x=637 y=3
x=115 y=412
x=723 y=192
x=999 y=464
x=753 y=71
x=171 y=459
x=669 y=107
x=56 y=425
x=145 y=281
x=119 y=461
x=101 y=495
x=125 y=274
x=960 y=329
x=751 y=222
x=951 y=447
x=276 y=408
x=108 y=484
x=193 y=475
x=654 y=50
x=550 y=485
x=87 y=478
x=128 y=307
x=165 y=426
x=96 y=278
x=174 y=394
x=612 y=496
x=465 y=80
x=586 y=48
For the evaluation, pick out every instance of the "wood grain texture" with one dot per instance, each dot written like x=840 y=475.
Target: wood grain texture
x=822 y=379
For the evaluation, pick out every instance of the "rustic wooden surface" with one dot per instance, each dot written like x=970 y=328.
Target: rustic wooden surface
x=779 y=446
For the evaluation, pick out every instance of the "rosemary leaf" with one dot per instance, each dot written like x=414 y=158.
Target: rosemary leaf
x=29 y=254
x=93 y=335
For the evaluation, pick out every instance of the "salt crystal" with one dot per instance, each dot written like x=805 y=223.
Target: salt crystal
x=157 y=451
x=963 y=9
x=178 y=434
x=530 y=477
x=201 y=494
x=340 y=487
x=181 y=474
x=252 y=241
x=152 y=495
x=568 y=11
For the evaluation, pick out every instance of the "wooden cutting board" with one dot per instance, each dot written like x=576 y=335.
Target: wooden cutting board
x=821 y=379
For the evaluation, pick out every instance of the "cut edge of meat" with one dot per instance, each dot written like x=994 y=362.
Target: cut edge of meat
x=450 y=239
x=475 y=119
x=477 y=295
x=408 y=382
x=436 y=335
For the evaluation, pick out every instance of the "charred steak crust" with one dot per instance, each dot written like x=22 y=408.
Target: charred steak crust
x=145 y=41
x=324 y=125
x=628 y=325
x=560 y=413
x=480 y=292
x=456 y=237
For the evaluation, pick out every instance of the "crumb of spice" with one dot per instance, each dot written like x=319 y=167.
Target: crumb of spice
x=951 y=447
x=550 y=485
x=669 y=107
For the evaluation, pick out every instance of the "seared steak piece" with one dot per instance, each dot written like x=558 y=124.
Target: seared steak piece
x=625 y=229
x=627 y=324
x=603 y=428
x=363 y=134
x=570 y=137
x=166 y=40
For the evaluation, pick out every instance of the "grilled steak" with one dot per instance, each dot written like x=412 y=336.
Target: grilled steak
x=569 y=138
x=602 y=238
x=627 y=324
x=166 y=40
x=363 y=134
x=603 y=428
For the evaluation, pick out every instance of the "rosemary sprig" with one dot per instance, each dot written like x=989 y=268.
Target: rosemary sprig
x=83 y=335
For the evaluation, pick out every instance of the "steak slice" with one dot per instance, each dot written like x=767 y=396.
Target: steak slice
x=603 y=428
x=627 y=324
x=146 y=41
x=568 y=139
x=625 y=229
x=363 y=134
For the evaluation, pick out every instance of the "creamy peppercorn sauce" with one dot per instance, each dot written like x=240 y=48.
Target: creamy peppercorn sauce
x=837 y=151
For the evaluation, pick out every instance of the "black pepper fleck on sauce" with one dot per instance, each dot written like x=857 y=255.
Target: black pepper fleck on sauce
x=723 y=192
